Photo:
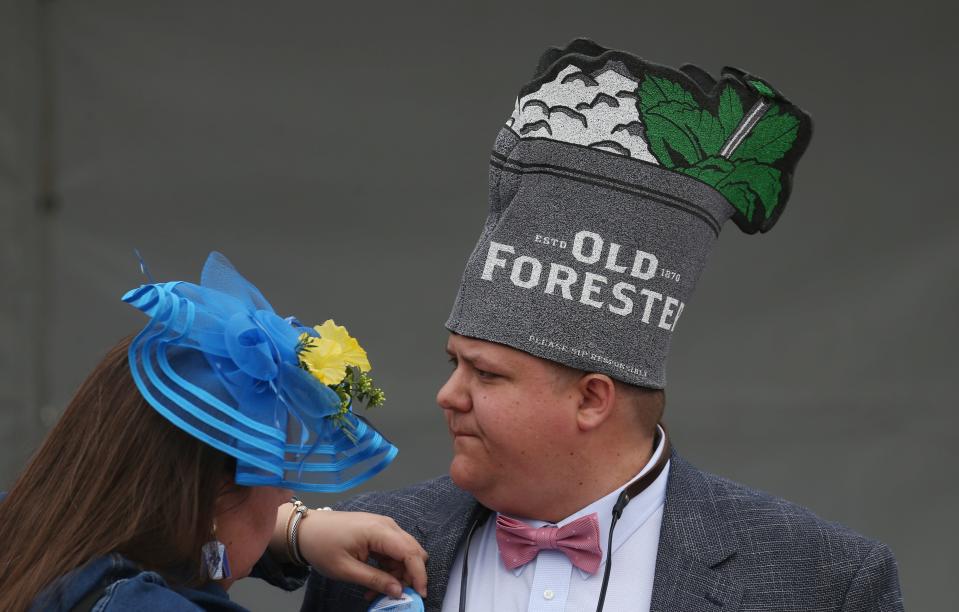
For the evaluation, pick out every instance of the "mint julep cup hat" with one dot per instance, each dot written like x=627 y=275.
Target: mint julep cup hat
x=608 y=185
x=218 y=362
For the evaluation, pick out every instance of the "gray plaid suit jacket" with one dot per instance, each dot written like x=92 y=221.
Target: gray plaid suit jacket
x=723 y=548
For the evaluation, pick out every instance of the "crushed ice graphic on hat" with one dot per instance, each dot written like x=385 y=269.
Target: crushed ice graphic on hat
x=608 y=185
x=597 y=111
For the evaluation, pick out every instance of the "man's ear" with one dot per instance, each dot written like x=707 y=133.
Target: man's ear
x=597 y=397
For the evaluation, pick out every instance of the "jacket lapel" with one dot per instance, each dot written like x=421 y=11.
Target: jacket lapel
x=441 y=533
x=695 y=545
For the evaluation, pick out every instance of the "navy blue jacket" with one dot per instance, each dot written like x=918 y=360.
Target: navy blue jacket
x=125 y=587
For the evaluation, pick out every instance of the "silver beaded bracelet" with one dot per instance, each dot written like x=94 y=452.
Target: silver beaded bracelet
x=300 y=511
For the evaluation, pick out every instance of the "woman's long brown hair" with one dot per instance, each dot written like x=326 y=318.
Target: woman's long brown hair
x=113 y=475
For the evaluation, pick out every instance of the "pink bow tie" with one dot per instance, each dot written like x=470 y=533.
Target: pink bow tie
x=579 y=541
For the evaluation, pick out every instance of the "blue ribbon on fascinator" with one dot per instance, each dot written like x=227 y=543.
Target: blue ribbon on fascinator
x=218 y=362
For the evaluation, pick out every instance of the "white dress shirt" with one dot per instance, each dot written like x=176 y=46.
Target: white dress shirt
x=550 y=582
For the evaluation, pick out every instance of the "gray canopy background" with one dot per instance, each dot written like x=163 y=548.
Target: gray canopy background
x=338 y=154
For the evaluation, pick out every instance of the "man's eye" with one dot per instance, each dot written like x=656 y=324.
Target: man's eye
x=453 y=361
x=484 y=374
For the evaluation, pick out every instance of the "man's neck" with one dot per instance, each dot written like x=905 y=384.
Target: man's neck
x=596 y=473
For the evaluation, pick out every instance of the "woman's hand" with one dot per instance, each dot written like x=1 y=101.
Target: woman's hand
x=337 y=545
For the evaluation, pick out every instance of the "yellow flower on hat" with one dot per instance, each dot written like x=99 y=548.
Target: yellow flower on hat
x=352 y=352
x=328 y=356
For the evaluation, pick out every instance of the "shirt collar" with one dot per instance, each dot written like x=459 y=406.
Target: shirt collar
x=636 y=513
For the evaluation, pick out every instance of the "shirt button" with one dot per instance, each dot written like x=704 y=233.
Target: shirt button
x=548 y=594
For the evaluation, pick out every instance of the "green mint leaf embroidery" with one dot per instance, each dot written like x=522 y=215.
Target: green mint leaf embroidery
x=657 y=90
x=730 y=111
x=711 y=170
x=676 y=125
x=668 y=131
x=745 y=183
x=771 y=139
x=748 y=181
x=660 y=100
x=689 y=139
x=763 y=89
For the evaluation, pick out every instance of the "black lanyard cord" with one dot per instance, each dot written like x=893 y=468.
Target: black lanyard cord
x=466 y=559
x=466 y=563
x=621 y=502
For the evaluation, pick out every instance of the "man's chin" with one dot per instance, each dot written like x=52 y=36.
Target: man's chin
x=465 y=474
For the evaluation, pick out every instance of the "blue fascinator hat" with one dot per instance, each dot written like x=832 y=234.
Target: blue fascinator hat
x=220 y=364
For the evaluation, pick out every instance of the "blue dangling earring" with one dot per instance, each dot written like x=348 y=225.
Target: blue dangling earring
x=215 y=559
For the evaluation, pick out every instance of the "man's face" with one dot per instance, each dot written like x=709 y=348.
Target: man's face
x=512 y=417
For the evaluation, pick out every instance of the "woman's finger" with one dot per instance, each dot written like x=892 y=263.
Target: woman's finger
x=354 y=570
x=403 y=548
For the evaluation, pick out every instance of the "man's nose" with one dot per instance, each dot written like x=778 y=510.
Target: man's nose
x=453 y=395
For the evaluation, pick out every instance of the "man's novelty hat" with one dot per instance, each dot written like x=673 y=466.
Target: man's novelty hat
x=607 y=187
x=220 y=364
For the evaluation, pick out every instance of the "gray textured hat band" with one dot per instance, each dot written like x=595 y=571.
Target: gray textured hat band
x=604 y=205
x=578 y=284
